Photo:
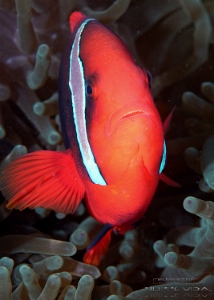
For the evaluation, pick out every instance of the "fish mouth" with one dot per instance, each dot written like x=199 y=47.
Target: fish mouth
x=132 y=114
x=128 y=111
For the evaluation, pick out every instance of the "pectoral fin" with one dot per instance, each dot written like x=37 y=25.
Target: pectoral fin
x=167 y=121
x=47 y=179
x=169 y=181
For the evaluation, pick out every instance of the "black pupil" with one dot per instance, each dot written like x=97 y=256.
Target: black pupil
x=89 y=90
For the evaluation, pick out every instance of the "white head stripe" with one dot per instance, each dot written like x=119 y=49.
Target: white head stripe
x=163 y=161
x=78 y=97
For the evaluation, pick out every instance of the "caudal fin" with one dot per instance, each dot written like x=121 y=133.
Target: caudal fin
x=47 y=179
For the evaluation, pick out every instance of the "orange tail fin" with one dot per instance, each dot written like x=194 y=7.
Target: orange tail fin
x=43 y=178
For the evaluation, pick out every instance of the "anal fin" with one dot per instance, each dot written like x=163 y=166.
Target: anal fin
x=47 y=179
x=99 y=246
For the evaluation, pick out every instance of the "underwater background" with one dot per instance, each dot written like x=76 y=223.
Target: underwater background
x=171 y=254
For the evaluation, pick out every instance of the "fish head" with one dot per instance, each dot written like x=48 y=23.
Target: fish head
x=121 y=119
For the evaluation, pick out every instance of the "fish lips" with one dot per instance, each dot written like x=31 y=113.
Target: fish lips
x=126 y=112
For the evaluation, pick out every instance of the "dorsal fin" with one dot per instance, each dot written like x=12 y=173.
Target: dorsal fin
x=43 y=178
x=75 y=20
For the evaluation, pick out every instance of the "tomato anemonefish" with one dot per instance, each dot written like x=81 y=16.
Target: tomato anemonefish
x=112 y=132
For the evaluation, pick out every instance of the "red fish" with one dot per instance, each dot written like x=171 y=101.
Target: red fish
x=112 y=132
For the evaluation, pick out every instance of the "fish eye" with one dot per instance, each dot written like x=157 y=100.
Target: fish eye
x=89 y=90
